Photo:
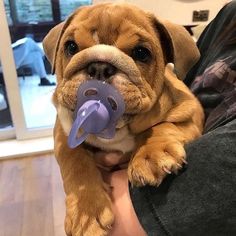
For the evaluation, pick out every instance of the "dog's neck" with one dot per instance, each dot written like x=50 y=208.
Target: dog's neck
x=123 y=141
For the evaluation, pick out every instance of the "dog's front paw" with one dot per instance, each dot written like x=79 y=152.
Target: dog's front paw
x=88 y=216
x=153 y=162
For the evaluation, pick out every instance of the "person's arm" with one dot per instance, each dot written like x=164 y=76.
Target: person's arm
x=199 y=201
x=126 y=222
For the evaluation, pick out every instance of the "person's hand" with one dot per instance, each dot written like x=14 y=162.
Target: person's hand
x=126 y=221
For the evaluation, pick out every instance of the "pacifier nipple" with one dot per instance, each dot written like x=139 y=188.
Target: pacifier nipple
x=98 y=109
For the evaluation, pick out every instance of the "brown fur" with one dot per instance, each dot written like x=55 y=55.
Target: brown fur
x=162 y=114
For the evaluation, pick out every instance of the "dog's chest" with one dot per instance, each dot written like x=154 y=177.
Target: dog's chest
x=122 y=141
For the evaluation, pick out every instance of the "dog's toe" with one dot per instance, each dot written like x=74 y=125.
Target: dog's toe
x=68 y=226
x=106 y=218
x=89 y=219
x=151 y=164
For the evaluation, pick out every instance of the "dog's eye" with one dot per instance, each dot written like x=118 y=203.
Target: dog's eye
x=71 y=48
x=141 y=54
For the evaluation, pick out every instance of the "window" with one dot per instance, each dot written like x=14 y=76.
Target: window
x=28 y=11
x=36 y=11
x=37 y=17
x=33 y=11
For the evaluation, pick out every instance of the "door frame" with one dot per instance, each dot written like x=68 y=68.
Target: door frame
x=12 y=88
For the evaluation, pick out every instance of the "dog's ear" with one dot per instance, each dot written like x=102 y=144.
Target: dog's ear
x=51 y=43
x=52 y=39
x=178 y=46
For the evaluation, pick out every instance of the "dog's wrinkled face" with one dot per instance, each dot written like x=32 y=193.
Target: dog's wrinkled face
x=123 y=46
x=116 y=44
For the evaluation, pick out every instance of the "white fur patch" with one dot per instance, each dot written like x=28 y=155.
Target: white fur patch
x=65 y=117
x=123 y=141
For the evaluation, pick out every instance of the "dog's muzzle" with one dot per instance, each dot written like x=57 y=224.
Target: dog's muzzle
x=103 y=62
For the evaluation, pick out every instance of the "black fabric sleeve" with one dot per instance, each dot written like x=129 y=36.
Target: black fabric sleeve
x=200 y=201
x=209 y=37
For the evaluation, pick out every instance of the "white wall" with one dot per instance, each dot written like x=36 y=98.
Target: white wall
x=178 y=11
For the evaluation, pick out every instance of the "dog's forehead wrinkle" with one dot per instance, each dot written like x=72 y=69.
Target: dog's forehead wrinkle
x=110 y=21
x=95 y=36
x=113 y=21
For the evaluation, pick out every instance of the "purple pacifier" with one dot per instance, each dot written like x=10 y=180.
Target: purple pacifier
x=99 y=106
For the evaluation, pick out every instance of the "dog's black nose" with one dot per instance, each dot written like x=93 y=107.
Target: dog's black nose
x=101 y=70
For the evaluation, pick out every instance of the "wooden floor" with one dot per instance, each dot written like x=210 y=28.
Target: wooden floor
x=31 y=197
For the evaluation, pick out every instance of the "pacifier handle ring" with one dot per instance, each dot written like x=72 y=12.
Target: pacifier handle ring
x=73 y=141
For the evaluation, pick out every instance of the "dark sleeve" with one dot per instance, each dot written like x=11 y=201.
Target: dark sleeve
x=207 y=43
x=201 y=201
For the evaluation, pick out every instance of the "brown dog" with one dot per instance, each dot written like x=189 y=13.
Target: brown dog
x=161 y=114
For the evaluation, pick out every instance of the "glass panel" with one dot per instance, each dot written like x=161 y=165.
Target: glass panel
x=5 y=115
x=28 y=11
x=67 y=6
x=36 y=84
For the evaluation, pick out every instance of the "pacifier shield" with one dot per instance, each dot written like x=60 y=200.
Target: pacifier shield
x=99 y=106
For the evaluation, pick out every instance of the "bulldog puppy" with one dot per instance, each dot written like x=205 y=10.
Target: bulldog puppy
x=129 y=49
